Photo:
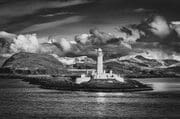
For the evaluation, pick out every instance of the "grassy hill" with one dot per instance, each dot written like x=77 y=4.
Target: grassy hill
x=33 y=63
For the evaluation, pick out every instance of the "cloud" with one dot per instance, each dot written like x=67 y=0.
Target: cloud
x=97 y=37
x=4 y=34
x=130 y=34
x=65 y=44
x=159 y=30
x=154 y=35
x=159 y=26
x=142 y=10
x=111 y=45
x=153 y=29
x=85 y=44
x=58 y=14
x=20 y=13
x=176 y=27
x=49 y=25
x=12 y=43
x=19 y=8
x=5 y=40
x=25 y=43
x=82 y=38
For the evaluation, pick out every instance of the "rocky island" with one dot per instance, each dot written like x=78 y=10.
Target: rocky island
x=100 y=80
x=95 y=80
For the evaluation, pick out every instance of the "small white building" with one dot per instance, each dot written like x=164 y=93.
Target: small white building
x=99 y=73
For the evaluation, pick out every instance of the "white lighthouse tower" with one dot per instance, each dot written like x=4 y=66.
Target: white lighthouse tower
x=99 y=62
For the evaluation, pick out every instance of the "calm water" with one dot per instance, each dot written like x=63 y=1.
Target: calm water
x=19 y=99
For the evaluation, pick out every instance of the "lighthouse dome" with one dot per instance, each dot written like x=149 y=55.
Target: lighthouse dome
x=99 y=50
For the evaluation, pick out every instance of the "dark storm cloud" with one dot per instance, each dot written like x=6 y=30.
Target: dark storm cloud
x=24 y=7
x=48 y=25
x=18 y=14
x=155 y=34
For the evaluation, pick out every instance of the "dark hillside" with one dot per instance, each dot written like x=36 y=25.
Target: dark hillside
x=33 y=62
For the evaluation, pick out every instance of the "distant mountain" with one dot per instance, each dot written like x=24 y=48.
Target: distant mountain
x=151 y=63
x=139 y=66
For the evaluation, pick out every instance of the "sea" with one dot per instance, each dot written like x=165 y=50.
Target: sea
x=21 y=100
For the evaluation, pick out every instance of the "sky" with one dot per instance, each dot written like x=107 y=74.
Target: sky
x=145 y=25
x=66 y=18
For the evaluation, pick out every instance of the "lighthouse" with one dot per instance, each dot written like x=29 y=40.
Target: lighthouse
x=100 y=74
x=99 y=61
